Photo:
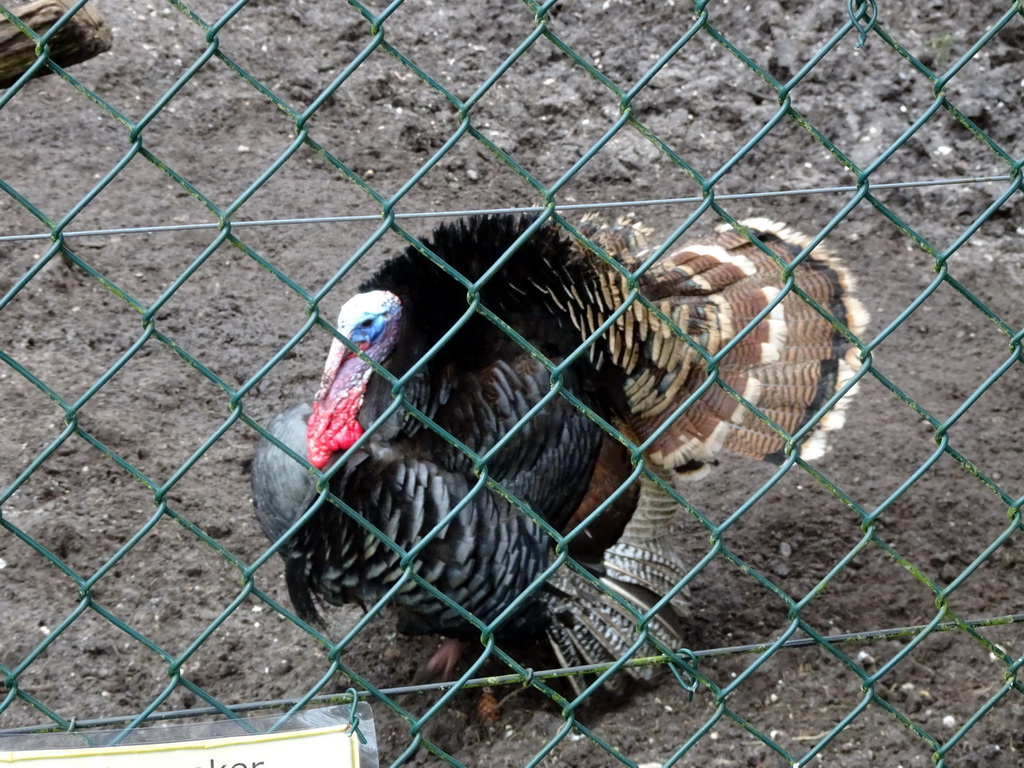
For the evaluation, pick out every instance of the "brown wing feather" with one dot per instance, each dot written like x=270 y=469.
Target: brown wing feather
x=704 y=294
x=611 y=472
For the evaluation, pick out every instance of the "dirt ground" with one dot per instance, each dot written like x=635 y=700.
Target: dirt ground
x=158 y=413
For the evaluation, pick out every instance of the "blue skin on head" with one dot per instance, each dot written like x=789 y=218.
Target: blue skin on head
x=368 y=328
x=365 y=317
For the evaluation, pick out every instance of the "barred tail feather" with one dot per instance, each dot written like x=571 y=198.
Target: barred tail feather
x=590 y=626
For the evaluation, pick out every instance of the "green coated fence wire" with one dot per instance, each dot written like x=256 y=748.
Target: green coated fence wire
x=862 y=27
x=565 y=208
x=547 y=674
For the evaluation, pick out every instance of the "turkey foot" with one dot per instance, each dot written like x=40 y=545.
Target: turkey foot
x=441 y=666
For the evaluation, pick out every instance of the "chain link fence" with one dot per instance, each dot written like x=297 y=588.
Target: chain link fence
x=227 y=172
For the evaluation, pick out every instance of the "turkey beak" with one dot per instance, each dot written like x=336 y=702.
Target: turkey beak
x=342 y=370
x=335 y=358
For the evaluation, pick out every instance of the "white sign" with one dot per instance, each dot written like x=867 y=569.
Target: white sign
x=334 y=745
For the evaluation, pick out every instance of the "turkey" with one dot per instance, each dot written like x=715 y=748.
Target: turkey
x=473 y=459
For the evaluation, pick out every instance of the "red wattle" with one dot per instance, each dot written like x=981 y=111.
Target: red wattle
x=328 y=432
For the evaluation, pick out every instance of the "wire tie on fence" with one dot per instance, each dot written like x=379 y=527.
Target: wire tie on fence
x=71 y=724
x=529 y=677
x=353 y=718
x=685 y=677
x=856 y=9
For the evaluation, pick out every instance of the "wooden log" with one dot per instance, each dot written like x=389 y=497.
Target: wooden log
x=83 y=36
